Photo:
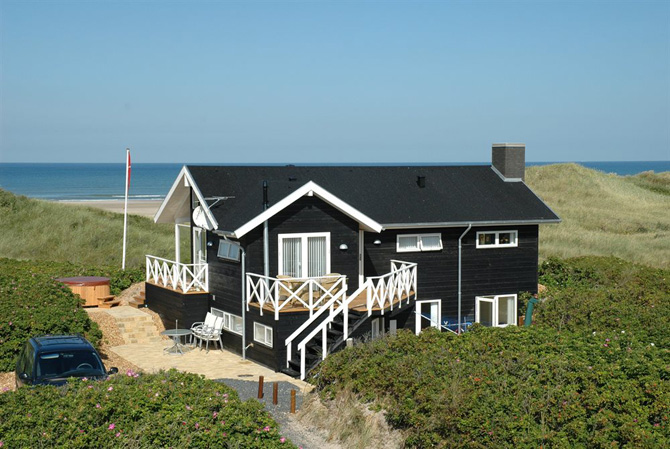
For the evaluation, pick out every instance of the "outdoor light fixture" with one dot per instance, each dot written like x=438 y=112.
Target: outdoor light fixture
x=377 y=242
x=344 y=247
x=210 y=244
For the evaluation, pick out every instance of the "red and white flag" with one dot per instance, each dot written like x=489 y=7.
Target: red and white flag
x=127 y=169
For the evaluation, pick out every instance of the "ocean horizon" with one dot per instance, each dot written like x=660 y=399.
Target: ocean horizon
x=152 y=181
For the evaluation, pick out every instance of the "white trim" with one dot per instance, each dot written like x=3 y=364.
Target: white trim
x=309 y=189
x=186 y=179
x=267 y=334
x=229 y=322
x=513 y=244
x=494 y=301
x=419 y=243
x=303 y=236
x=460 y=224
x=361 y=257
x=434 y=321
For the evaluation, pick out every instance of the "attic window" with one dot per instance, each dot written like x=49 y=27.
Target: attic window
x=228 y=250
x=409 y=243
x=497 y=239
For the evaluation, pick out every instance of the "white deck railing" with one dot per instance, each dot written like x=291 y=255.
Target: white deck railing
x=310 y=293
x=177 y=276
x=382 y=291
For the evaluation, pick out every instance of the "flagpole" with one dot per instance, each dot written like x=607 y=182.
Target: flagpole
x=125 y=209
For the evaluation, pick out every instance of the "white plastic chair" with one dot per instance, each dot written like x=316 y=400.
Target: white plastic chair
x=200 y=326
x=208 y=334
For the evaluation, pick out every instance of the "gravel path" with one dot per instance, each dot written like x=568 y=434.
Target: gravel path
x=298 y=433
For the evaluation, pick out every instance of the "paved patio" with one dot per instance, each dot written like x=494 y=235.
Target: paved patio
x=147 y=353
x=215 y=364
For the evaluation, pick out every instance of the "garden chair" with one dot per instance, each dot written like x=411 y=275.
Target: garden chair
x=210 y=334
x=200 y=326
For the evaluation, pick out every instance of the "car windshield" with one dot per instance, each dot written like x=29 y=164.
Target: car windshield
x=69 y=364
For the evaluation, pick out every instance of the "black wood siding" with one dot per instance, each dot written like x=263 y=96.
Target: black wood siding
x=484 y=271
x=171 y=305
x=306 y=215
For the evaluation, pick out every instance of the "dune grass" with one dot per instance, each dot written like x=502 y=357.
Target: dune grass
x=604 y=214
x=42 y=230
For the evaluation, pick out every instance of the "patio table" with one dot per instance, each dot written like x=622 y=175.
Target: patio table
x=176 y=334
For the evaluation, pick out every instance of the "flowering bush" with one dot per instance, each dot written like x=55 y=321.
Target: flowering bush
x=602 y=380
x=168 y=409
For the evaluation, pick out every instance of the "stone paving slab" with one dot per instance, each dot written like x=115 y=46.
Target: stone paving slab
x=215 y=364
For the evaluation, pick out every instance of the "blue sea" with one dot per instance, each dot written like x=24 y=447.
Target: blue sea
x=86 y=182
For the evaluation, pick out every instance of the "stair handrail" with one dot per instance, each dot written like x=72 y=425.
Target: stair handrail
x=340 y=296
x=323 y=328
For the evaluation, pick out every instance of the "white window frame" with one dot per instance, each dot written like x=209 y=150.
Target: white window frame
x=419 y=243
x=229 y=323
x=304 y=250
x=435 y=306
x=266 y=334
x=493 y=300
x=514 y=243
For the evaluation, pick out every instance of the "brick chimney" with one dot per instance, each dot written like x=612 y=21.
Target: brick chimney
x=509 y=160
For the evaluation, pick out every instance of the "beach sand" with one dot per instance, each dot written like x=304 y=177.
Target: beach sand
x=144 y=208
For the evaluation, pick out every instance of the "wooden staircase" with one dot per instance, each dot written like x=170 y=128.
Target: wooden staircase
x=335 y=342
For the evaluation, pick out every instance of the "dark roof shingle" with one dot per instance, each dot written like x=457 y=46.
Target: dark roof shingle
x=387 y=194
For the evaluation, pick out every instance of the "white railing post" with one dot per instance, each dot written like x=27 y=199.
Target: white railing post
x=302 y=364
x=324 y=342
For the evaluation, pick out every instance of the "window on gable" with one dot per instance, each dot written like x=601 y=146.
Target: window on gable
x=497 y=239
x=304 y=255
x=263 y=334
x=418 y=242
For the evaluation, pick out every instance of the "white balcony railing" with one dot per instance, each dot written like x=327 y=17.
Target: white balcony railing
x=309 y=293
x=382 y=291
x=178 y=276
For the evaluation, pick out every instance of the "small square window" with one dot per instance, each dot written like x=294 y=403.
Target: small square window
x=263 y=334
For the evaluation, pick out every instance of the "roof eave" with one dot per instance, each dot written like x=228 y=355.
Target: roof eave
x=457 y=224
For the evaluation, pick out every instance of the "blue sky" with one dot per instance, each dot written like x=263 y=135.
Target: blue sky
x=333 y=81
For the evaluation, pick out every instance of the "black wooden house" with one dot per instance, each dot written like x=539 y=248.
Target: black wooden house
x=300 y=259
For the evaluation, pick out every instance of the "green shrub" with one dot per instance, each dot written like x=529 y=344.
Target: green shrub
x=168 y=409
x=512 y=387
x=32 y=302
x=588 y=294
x=595 y=371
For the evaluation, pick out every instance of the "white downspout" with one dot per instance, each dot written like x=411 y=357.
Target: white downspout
x=244 y=304
x=459 y=275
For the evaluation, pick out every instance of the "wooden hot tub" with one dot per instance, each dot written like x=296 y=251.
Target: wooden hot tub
x=89 y=288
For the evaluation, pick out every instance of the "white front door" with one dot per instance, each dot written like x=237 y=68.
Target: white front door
x=428 y=314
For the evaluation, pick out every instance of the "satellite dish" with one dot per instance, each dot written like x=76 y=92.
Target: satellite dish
x=199 y=218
